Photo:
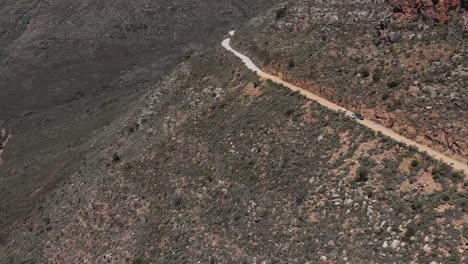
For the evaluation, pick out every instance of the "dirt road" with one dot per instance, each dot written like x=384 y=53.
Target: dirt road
x=374 y=126
x=6 y=136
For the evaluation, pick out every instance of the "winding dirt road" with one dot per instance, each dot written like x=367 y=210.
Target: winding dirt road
x=374 y=126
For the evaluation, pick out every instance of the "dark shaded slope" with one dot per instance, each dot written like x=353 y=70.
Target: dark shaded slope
x=69 y=68
x=59 y=51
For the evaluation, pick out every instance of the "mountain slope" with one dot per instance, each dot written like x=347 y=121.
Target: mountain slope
x=215 y=165
x=400 y=65
x=70 y=68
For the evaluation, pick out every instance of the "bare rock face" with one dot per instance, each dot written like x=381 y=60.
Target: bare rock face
x=438 y=11
x=387 y=119
x=443 y=139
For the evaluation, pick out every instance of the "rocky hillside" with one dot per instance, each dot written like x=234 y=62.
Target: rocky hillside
x=69 y=68
x=400 y=63
x=217 y=166
x=436 y=11
x=214 y=165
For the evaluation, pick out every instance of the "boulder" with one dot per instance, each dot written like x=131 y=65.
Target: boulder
x=394 y=37
x=429 y=89
x=437 y=11
x=395 y=244
x=413 y=90
x=454 y=96
x=388 y=119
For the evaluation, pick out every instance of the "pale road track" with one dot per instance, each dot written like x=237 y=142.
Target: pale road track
x=3 y=146
x=458 y=165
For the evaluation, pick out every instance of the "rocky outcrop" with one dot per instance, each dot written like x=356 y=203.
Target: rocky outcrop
x=438 y=11
x=444 y=139
x=387 y=119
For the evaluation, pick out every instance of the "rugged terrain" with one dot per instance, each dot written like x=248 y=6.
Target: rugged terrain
x=401 y=63
x=69 y=68
x=213 y=165
x=217 y=166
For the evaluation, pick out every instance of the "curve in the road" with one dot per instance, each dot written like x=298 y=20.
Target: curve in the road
x=458 y=165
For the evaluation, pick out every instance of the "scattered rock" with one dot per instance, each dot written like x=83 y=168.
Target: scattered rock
x=462 y=74
x=150 y=131
x=454 y=96
x=413 y=90
x=409 y=131
x=395 y=244
x=429 y=89
x=456 y=57
x=385 y=244
x=427 y=248
x=394 y=37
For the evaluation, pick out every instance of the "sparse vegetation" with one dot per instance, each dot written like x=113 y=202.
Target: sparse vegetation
x=377 y=75
x=364 y=71
x=291 y=63
x=363 y=174
x=406 y=54
x=253 y=178
x=393 y=83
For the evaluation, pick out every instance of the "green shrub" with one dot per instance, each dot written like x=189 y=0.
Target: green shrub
x=139 y=261
x=385 y=96
x=280 y=13
x=410 y=231
x=289 y=112
x=377 y=75
x=393 y=83
x=116 y=157
x=456 y=176
x=363 y=174
x=415 y=163
x=364 y=71
x=441 y=170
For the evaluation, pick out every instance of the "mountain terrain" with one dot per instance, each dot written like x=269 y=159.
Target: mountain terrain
x=70 y=68
x=219 y=166
x=205 y=162
x=399 y=63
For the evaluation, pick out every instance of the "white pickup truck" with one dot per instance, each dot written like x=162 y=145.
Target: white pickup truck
x=351 y=114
